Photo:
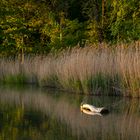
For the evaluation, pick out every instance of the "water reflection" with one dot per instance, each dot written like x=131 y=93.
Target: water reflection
x=91 y=113
x=37 y=115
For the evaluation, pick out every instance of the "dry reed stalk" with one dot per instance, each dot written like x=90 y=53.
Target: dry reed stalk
x=83 y=69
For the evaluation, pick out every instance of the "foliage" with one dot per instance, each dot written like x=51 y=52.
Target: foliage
x=38 y=27
x=125 y=20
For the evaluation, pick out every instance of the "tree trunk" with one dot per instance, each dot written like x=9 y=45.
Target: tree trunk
x=21 y=56
x=103 y=11
x=98 y=21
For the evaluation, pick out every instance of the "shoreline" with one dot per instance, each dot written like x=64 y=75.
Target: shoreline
x=87 y=70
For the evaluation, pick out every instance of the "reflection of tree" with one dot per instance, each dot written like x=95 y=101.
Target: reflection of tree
x=41 y=116
x=17 y=123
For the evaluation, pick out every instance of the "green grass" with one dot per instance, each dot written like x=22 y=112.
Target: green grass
x=14 y=79
x=88 y=70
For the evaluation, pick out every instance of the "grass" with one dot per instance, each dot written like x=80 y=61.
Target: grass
x=104 y=71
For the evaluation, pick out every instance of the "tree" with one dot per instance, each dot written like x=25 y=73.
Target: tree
x=125 y=18
x=95 y=11
x=20 y=23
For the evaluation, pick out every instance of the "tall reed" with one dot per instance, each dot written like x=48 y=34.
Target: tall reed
x=109 y=71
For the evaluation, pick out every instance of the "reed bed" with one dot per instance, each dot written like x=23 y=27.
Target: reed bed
x=104 y=71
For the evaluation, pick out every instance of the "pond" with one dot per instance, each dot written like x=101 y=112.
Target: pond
x=40 y=114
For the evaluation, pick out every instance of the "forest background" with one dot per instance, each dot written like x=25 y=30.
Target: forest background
x=44 y=26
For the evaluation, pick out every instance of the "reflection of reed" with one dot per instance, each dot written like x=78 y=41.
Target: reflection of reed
x=113 y=126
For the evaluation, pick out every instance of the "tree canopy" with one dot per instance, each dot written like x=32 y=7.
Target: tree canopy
x=39 y=27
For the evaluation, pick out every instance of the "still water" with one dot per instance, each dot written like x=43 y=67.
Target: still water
x=37 y=114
